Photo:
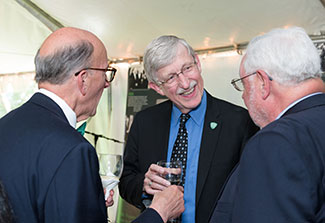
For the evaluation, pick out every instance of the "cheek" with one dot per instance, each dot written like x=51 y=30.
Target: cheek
x=100 y=93
x=170 y=92
x=245 y=98
x=243 y=95
x=198 y=77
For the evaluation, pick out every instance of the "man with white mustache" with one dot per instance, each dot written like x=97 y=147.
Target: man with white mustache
x=216 y=129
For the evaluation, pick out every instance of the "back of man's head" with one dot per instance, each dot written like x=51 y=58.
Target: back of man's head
x=63 y=53
x=287 y=55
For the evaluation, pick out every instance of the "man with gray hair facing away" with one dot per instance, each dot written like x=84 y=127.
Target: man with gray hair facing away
x=280 y=176
x=215 y=130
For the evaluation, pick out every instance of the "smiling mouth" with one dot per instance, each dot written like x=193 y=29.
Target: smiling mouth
x=188 y=92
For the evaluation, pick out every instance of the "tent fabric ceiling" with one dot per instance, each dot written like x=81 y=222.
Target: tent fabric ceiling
x=21 y=34
x=127 y=26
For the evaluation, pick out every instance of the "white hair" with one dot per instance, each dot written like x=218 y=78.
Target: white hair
x=162 y=52
x=287 y=55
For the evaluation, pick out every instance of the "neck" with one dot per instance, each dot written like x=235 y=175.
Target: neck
x=65 y=92
x=283 y=96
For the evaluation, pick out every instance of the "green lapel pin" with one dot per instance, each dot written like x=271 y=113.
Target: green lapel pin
x=213 y=125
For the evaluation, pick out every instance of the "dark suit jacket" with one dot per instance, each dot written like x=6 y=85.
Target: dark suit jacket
x=281 y=174
x=220 y=150
x=49 y=170
x=148 y=216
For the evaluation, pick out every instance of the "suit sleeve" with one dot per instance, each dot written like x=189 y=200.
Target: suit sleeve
x=131 y=182
x=149 y=216
x=274 y=184
x=75 y=193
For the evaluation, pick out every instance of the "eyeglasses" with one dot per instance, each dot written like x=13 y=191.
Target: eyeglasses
x=110 y=72
x=172 y=78
x=238 y=82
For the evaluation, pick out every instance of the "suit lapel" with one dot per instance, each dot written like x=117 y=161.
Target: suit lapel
x=210 y=137
x=163 y=129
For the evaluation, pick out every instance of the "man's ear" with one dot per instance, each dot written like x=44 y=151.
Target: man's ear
x=198 y=62
x=82 y=82
x=265 y=83
x=157 y=88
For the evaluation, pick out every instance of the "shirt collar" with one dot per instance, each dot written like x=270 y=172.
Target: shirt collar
x=296 y=102
x=197 y=114
x=68 y=112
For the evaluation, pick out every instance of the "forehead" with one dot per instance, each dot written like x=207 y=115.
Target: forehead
x=181 y=58
x=182 y=54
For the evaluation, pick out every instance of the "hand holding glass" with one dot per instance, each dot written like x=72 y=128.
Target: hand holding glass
x=173 y=171
x=173 y=175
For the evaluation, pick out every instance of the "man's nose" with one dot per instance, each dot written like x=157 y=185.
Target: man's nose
x=107 y=83
x=183 y=81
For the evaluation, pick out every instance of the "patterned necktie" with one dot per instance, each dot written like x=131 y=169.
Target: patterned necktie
x=180 y=145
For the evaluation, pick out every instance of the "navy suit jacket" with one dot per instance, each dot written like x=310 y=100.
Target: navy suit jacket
x=148 y=216
x=220 y=150
x=49 y=170
x=281 y=174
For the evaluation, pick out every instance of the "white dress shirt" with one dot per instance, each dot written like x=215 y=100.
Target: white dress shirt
x=68 y=112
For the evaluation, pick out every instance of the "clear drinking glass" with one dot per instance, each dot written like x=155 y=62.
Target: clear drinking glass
x=110 y=171
x=111 y=165
x=174 y=176
x=174 y=169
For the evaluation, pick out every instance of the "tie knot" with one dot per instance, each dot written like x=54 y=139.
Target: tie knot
x=184 y=118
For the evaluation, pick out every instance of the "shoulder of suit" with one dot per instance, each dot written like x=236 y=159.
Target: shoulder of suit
x=158 y=108
x=223 y=105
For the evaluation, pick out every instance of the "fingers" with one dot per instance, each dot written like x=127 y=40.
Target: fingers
x=174 y=170
x=157 y=169
x=177 y=207
x=154 y=186
x=180 y=188
x=153 y=182
x=169 y=203
x=109 y=201
x=147 y=186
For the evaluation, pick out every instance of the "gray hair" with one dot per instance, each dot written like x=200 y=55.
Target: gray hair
x=287 y=55
x=160 y=53
x=59 y=66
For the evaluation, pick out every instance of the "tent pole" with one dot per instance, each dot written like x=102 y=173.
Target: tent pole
x=40 y=14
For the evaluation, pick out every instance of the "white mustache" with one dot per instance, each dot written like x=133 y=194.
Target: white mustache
x=193 y=83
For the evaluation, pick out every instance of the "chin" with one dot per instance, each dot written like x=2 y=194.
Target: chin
x=192 y=105
x=93 y=113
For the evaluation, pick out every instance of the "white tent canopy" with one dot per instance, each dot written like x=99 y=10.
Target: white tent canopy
x=126 y=26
